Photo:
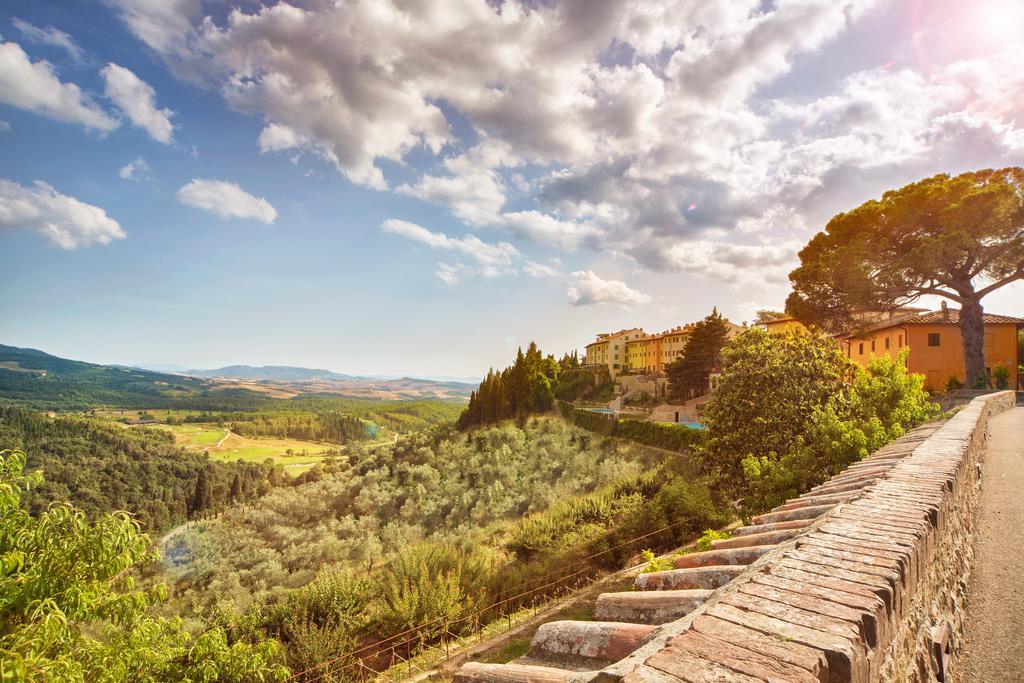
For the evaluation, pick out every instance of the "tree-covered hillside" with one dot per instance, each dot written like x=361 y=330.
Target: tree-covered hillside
x=39 y=380
x=101 y=467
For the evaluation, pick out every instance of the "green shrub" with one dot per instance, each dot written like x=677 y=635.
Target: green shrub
x=655 y=563
x=1001 y=377
x=709 y=535
x=791 y=411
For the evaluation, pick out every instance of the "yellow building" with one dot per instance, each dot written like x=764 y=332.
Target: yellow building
x=635 y=349
x=610 y=349
x=783 y=324
x=936 y=347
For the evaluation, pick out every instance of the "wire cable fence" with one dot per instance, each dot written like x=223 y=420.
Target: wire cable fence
x=372 y=660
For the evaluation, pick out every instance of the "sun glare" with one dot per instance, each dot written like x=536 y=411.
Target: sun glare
x=1000 y=19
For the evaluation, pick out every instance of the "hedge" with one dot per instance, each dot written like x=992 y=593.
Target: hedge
x=660 y=435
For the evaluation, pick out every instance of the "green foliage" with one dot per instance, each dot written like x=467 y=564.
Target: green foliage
x=769 y=388
x=591 y=383
x=438 y=527
x=101 y=467
x=655 y=563
x=953 y=384
x=709 y=535
x=62 y=576
x=792 y=411
x=938 y=236
x=327 y=426
x=430 y=485
x=524 y=388
x=1001 y=377
x=434 y=584
x=688 y=376
x=671 y=437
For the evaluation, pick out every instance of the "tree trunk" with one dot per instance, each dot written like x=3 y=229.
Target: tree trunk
x=972 y=330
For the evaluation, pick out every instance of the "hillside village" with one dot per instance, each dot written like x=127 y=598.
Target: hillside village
x=636 y=361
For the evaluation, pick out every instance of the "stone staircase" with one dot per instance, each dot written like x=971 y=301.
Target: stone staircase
x=579 y=650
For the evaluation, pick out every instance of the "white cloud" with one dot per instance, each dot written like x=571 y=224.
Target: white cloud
x=50 y=36
x=226 y=199
x=648 y=129
x=5 y=127
x=136 y=169
x=585 y=288
x=540 y=270
x=494 y=259
x=65 y=221
x=137 y=100
x=34 y=86
x=729 y=262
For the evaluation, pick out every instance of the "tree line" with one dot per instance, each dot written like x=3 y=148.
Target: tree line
x=524 y=388
x=332 y=427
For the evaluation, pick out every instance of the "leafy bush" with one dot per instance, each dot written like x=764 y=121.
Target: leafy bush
x=953 y=384
x=582 y=384
x=791 y=411
x=1001 y=377
x=655 y=563
x=710 y=535
x=62 y=577
x=671 y=437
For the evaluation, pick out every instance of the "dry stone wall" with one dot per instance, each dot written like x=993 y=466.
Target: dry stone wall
x=861 y=579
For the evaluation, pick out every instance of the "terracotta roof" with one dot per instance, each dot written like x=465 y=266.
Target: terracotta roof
x=952 y=317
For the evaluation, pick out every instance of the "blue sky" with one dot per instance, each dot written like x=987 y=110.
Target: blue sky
x=406 y=188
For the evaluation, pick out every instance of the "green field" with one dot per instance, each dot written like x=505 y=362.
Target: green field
x=295 y=455
x=198 y=435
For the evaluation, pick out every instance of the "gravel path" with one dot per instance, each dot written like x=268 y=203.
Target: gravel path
x=994 y=645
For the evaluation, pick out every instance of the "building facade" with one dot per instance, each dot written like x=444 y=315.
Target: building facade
x=936 y=345
x=610 y=349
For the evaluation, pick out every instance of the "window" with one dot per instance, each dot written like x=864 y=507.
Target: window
x=872 y=344
x=933 y=339
x=886 y=343
x=861 y=349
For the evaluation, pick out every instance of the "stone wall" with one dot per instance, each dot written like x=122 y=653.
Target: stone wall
x=862 y=594
x=936 y=611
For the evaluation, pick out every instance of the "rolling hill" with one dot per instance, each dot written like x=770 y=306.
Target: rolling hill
x=40 y=380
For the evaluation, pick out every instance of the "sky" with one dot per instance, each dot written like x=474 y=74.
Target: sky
x=419 y=187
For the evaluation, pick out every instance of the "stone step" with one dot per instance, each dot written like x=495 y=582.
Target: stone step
x=706 y=578
x=763 y=538
x=774 y=526
x=842 y=488
x=851 y=477
x=648 y=607
x=809 y=512
x=586 y=644
x=829 y=499
x=733 y=556
x=478 y=672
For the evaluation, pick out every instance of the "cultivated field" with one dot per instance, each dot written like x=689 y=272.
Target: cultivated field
x=222 y=444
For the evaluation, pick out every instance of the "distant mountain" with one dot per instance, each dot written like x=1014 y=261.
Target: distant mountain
x=39 y=379
x=161 y=367
x=273 y=373
x=290 y=373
